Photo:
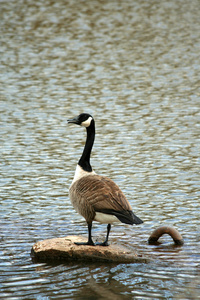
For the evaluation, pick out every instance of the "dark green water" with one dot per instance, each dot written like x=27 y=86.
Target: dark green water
x=134 y=65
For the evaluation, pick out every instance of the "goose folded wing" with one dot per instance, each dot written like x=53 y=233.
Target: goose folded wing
x=106 y=197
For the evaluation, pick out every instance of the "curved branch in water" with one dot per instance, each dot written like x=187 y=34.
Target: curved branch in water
x=157 y=233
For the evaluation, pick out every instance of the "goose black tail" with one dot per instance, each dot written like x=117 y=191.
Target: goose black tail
x=128 y=217
x=125 y=216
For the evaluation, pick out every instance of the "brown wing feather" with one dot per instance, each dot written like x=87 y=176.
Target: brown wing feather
x=99 y=193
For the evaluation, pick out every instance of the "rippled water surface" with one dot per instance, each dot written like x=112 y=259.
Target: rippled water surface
x=134 y=65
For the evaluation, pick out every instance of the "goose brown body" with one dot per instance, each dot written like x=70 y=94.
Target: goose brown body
x=93 y=193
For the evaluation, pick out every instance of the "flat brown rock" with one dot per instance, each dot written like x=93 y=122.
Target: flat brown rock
x=64 y=249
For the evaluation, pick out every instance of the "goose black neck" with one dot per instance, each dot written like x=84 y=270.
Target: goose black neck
x=84 y=161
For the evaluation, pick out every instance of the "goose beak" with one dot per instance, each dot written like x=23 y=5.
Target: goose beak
x=73 y=121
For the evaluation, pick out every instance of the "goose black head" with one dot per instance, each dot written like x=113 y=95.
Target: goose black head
x=82 y=120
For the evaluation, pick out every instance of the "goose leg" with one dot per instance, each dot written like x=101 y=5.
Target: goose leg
x=105 y=243
x=90 y=241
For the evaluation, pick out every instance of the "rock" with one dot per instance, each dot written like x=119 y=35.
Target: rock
x=64 y=249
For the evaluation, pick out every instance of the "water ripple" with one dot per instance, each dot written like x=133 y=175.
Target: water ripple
x=135 y=67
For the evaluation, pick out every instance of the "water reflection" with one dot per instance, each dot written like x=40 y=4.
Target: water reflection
x=134 y=66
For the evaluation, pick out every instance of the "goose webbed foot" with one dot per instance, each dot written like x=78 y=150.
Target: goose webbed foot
x=89 y=243
x=105 y=243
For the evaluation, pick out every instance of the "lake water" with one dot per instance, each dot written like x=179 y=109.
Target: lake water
x=134 y=65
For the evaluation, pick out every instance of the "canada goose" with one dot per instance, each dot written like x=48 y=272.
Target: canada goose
x=97 y=198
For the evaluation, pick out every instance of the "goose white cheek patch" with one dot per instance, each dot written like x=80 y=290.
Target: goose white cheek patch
x=87 y=122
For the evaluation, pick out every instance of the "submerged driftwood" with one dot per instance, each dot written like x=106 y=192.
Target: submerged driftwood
x=64 y=249
x=157 y=233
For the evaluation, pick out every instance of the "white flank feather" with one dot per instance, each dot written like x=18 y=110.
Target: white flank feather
x=105 y=218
